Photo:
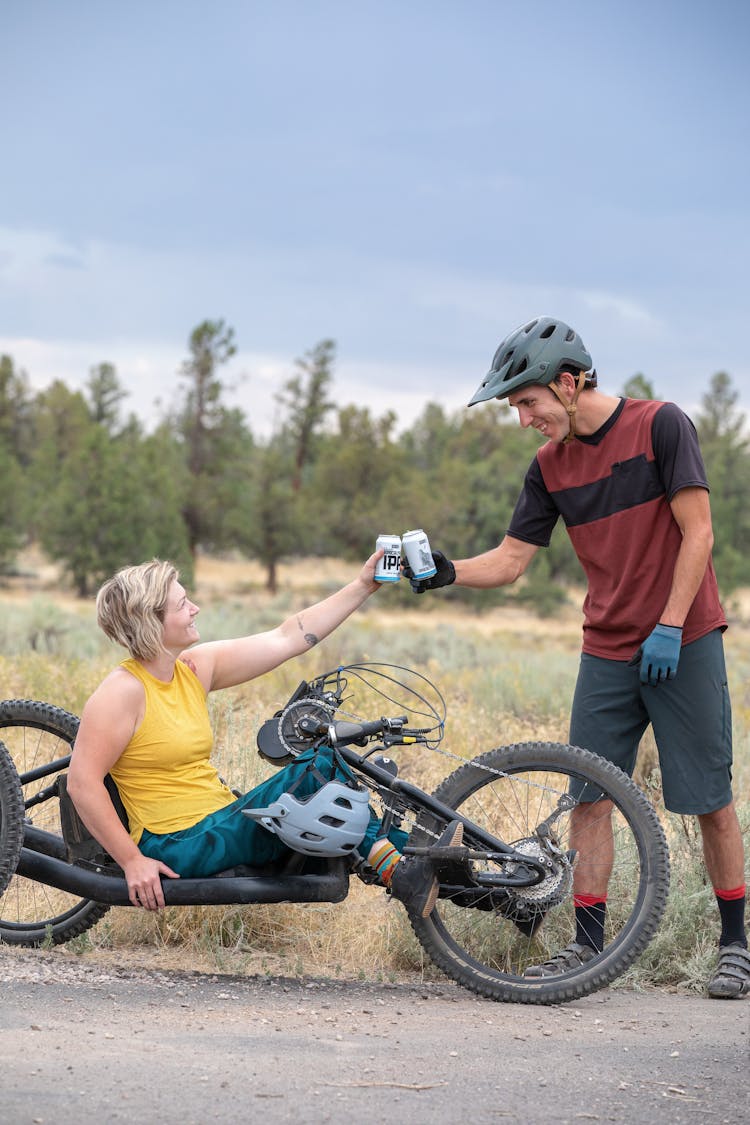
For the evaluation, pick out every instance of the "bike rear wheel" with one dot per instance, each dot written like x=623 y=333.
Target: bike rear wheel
x=38 y=735
x=509 y=792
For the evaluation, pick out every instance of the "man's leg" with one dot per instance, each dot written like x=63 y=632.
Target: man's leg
x=692 y=720
x=608 y=718
x=725 y=863
x=722 y=847
x=591 y=837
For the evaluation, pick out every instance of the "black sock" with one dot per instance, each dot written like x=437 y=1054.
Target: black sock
x=732 y=913
x=590 y=923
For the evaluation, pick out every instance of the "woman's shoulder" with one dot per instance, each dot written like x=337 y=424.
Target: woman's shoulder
x=119 y=687
x=110 y=715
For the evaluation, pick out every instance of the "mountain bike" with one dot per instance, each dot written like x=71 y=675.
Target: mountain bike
x=506 y=894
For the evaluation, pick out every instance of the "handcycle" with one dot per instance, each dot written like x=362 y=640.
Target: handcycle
x=506 y=894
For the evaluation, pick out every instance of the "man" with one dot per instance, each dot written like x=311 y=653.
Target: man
x=627 y=477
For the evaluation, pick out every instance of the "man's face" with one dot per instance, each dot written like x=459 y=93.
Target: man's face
x=539 y=407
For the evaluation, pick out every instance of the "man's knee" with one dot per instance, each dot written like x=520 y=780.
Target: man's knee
x=722 y=826
x=720 y=820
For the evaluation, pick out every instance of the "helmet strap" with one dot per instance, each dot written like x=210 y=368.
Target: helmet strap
x=571 y=406
x=342 y=774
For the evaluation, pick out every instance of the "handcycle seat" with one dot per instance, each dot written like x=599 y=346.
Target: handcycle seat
x=80 y=845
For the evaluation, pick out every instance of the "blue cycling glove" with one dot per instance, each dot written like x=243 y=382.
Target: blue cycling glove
x=660 y=654
x=445 y=574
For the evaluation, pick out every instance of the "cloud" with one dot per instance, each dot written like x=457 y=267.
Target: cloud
x=27 y=253
x=65 y=261
x=149 y=373
x=626 y=310
x=407 y=332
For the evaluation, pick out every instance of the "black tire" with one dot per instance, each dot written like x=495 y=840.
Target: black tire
x=32 y=914
x=11 y=817
x=509 y=791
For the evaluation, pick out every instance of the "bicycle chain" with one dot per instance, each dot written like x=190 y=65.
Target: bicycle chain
x=287 y=729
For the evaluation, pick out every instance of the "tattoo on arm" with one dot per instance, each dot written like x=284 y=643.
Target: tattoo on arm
x=310 y=638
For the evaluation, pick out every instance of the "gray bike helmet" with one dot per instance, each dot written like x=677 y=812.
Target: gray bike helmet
x=330 y=822
x=534 y=353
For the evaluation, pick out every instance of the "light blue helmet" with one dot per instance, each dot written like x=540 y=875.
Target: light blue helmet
x=330 y=822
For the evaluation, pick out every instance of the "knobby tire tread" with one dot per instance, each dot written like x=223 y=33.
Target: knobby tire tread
x=636 y=934
x=85 y=913
x=11 y=817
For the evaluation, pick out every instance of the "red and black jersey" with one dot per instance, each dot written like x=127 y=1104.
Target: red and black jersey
x=613 y=489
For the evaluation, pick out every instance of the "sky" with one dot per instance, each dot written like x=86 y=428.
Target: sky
x=412 y=179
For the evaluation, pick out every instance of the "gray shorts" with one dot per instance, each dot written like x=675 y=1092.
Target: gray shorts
x=691 y=717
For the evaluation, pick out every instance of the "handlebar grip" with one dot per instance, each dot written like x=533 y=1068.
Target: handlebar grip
x=354 y=732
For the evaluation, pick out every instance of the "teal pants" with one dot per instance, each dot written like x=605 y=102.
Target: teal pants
x=227 y=839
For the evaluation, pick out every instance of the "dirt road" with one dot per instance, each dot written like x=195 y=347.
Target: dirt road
x=83 y=1042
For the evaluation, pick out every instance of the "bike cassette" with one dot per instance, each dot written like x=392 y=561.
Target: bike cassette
x=554 y=887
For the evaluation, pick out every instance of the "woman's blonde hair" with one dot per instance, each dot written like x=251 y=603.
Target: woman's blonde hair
x=130 y=607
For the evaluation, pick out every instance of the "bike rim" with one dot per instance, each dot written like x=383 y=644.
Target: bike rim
x=31 y=912
x=488 y=946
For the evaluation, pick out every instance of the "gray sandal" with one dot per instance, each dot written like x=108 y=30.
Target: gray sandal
x=732 y=977
x=573 y=955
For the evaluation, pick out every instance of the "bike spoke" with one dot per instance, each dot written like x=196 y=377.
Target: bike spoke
x=509 y=793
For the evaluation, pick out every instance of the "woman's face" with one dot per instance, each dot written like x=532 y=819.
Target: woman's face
x=179 y=619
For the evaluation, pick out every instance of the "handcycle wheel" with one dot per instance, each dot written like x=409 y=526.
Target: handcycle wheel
x=508 y=792
x=11 y=817
x=36 y=735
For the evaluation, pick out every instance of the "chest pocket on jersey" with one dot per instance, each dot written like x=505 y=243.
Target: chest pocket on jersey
x=633 y=482
x=628 y=484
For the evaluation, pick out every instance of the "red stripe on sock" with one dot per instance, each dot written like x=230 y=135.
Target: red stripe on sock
x=730 y=896
x=588 y=900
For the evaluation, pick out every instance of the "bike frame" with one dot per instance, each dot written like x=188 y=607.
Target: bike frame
x=495 y=848
x=44 y=857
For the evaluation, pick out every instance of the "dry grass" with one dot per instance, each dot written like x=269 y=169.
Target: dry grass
x=507 y=676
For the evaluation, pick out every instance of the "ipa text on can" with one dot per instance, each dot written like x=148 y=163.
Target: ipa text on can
x=418 y=554
x=388 y=569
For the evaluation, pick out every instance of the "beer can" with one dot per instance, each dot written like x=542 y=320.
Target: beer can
x=388 y=569
x=418 y=554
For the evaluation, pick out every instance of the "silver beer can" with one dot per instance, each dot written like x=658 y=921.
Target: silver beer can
x=418 y=554
x=388 y=569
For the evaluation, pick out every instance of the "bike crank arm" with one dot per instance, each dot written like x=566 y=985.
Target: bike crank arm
x=528 y=871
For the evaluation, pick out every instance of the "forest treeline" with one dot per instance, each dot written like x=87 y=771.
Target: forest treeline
x=82 y=477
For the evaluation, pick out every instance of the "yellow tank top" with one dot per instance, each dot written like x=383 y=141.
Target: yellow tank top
x=164 y=774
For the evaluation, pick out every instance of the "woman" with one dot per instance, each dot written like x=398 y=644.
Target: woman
x=147 y=725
